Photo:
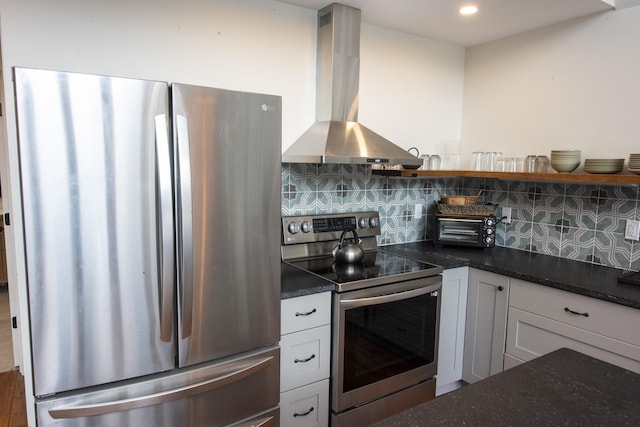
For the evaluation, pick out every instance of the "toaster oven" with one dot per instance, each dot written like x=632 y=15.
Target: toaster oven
x=466 y=230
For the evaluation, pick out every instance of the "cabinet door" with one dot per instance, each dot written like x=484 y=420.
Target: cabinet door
x=486 y=325
x=453 y=312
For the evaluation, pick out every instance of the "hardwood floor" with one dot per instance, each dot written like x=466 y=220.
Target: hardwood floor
x=12 y=402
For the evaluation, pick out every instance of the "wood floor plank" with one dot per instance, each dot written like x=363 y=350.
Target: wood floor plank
x=13 y=409
x=19 y=406
x=7 y=387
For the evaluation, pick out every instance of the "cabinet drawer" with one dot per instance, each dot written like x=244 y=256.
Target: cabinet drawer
x=605 y=318
x=304 y=357
x=305 y=406
x=530 y=336
x=305 y=312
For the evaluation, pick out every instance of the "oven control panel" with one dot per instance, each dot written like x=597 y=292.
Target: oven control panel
x=318 y=228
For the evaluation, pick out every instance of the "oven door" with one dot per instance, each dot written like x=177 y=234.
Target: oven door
x=460 y=231
x=385 y=339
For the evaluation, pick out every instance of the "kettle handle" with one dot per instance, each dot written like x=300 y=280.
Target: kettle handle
x=353 y=231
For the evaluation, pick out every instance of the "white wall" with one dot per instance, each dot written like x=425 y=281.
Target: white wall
x=411 y=89
x=574 y=85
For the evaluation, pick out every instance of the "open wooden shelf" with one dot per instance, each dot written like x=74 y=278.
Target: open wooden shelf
x=618 y=178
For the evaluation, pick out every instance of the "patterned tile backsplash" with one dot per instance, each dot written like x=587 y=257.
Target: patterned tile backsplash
x=584 y=222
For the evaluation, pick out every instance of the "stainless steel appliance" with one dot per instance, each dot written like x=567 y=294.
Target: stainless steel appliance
x=466 y=230
x=143 y=204
x=386 y=314
x=337 y=136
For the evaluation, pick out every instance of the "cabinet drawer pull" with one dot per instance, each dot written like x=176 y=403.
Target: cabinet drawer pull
x=313 y=356
x=500 y=288
x=308 y=313
x=295 y=414
x=568 y=310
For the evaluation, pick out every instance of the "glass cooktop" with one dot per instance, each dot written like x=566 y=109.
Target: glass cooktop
x=377 y=268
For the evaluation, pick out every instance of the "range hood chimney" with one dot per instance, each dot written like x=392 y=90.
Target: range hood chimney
x=336 y=136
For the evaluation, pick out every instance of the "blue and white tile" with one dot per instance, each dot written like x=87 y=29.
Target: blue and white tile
x=581 y=190
x=614 y=213
x=611 y=249
x=546 y=239
x=518 y=235
x=329 y=175
x=626 y=192
x=580 y=212
x=521 y=206
x=548 y=210
x=578 y=244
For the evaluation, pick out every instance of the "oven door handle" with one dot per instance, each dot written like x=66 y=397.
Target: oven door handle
x=382 y=299
x=460 y=220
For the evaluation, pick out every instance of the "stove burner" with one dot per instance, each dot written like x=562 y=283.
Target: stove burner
x=377 y=268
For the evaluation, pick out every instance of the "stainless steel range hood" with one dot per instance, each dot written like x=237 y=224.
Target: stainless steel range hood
x=336 y=136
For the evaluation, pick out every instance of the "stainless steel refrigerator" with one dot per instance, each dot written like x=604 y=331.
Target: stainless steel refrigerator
x=151 y=225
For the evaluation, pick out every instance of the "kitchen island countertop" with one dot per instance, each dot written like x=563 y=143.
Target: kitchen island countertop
x=561 y=388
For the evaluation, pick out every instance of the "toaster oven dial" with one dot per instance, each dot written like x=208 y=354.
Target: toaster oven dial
x=305 y=227
x=293 y=227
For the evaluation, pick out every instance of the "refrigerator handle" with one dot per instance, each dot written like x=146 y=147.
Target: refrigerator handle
x=102 y=408
x=165 y=215
x=186 y=259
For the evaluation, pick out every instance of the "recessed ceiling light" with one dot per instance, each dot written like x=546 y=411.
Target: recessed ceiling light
x=468 y=10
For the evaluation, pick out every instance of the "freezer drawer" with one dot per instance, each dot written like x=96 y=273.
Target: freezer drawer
x=234 y=391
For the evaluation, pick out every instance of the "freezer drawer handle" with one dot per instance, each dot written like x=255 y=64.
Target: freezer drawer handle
x=102 y=408
x=304 y=414
x=313 y=356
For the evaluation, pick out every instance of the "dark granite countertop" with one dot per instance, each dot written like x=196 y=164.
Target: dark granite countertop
x=574 y=276
x=295 y=282
x=561 y=388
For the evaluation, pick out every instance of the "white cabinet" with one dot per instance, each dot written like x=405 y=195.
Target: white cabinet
x=486 y=324
x=453 y=312
x=543 y=319
x=305 y=348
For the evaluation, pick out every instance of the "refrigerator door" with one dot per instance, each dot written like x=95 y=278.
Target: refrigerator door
x=228 y=195
x=97 y=203
x=238 y=391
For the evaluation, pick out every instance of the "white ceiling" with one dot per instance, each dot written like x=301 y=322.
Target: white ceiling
x=439 y=19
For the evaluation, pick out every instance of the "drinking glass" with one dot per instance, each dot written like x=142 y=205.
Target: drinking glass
x=434 y=162
x=425 y=162
x=476 y=160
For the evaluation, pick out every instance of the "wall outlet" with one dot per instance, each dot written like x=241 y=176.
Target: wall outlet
x=506 y=214
x=632 y=230
x=418 y=211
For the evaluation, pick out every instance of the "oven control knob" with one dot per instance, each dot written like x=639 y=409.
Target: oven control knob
x=490 y=221
x=488 y=239
x=489 y=231
x=305 y=227
x=373 y=222
x=293 y=227
x=363 y=223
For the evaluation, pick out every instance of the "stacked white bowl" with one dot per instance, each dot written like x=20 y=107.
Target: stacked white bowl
x=603 y=165
x=634 y=163
x=565 y=160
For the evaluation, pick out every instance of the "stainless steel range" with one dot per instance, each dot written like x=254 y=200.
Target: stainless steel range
x=386 y=314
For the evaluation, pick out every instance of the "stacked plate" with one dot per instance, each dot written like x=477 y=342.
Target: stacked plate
x=603 y=165
x=565 y=160
x=634 y=163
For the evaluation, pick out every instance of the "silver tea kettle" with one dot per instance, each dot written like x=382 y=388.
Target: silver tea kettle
x=347 y=251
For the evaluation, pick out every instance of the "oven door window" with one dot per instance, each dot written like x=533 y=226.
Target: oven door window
x=388 y=339
x=460 y=230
